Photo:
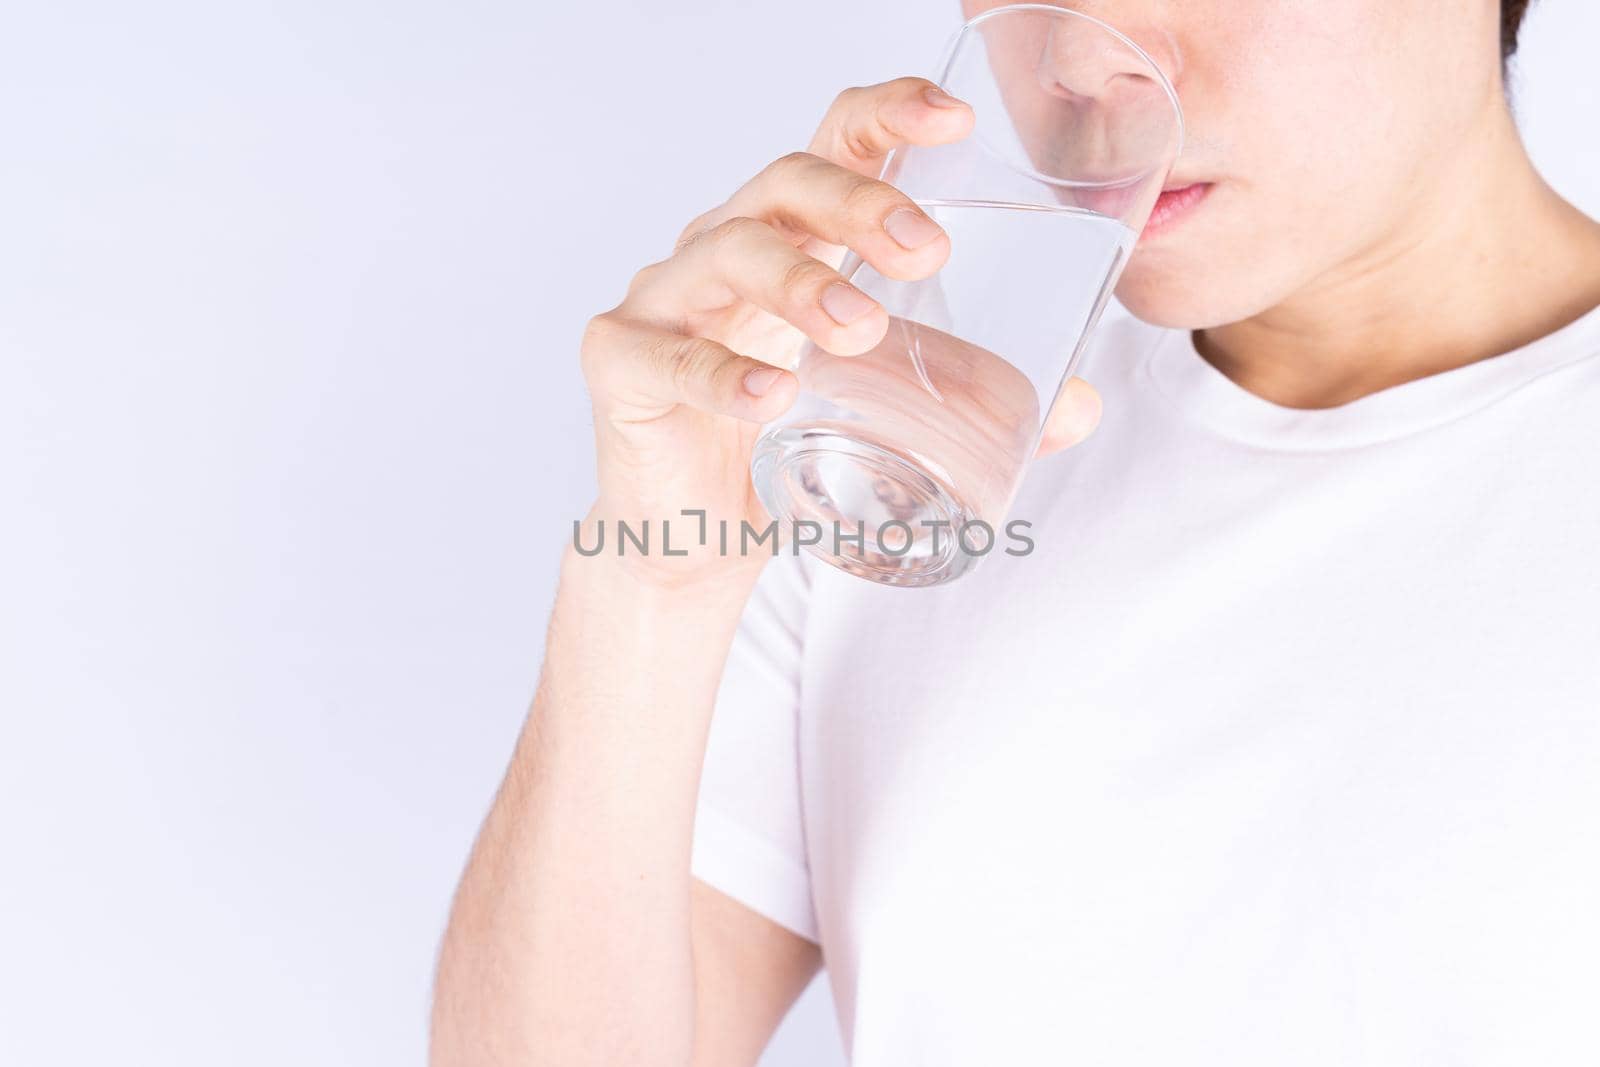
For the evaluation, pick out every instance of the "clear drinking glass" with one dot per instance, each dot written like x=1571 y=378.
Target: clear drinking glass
x=914 y=450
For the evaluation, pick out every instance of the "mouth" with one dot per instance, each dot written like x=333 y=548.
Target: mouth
x=1176 y=203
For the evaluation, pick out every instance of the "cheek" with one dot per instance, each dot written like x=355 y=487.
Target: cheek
x=1308 y=120
x=1299 y=129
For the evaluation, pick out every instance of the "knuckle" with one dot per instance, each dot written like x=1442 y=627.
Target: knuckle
x=600 y=337
x=791 y=165
x=724 y=378
x=856 y=129
x=804 y=278
x=854 y=145
x=692 y=232
x=597 y=332
x=907 y=84
x=866 y=199
x=689 y=361
x=865 y=139
x=643 y=279
x=681 y=372
x=847 y=98
x=658 y=354
x=729 y=236
x=736 y=228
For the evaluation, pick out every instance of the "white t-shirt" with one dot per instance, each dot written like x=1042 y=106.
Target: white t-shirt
x=1282 y=746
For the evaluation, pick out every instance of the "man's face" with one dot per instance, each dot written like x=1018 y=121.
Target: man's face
x=1317 y=133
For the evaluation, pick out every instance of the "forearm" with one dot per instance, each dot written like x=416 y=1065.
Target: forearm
x=569 y=940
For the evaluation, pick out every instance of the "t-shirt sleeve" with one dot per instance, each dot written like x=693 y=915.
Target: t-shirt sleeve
x=749 y=833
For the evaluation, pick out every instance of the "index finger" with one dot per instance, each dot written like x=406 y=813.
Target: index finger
x=865 y=123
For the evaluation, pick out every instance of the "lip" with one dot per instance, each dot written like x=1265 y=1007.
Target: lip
x=1176 y=203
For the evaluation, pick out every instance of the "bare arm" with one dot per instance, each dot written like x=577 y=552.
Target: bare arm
x=577 y=935
x=748 y=972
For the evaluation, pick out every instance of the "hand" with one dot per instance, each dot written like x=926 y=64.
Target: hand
x=685 y=370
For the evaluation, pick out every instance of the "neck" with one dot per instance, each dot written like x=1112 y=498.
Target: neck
x=1490 y=258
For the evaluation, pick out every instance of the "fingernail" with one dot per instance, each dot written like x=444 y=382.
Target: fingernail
x=845 y=303
x=939 y=98
x=911 y=229
x=758 y=381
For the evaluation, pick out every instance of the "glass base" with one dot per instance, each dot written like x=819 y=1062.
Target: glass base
x=908 y=519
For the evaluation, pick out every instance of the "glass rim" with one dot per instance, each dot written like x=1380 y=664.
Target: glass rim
x=953 y=46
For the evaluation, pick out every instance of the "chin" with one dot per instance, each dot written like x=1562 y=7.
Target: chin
x=1172 y=299
x=1165 y=288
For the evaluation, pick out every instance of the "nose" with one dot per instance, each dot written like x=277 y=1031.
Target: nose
x=1082 y=61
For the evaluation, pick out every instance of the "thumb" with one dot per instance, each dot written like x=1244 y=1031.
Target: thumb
x=1072 y=419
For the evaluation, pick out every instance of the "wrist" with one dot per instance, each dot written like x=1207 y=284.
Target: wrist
x=615 y=618
x=623 y=652
x=668 y=563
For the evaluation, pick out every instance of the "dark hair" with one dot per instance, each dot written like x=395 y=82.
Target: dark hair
x=1511 y=12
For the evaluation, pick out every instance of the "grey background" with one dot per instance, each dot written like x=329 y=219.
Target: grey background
x=291 y=432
